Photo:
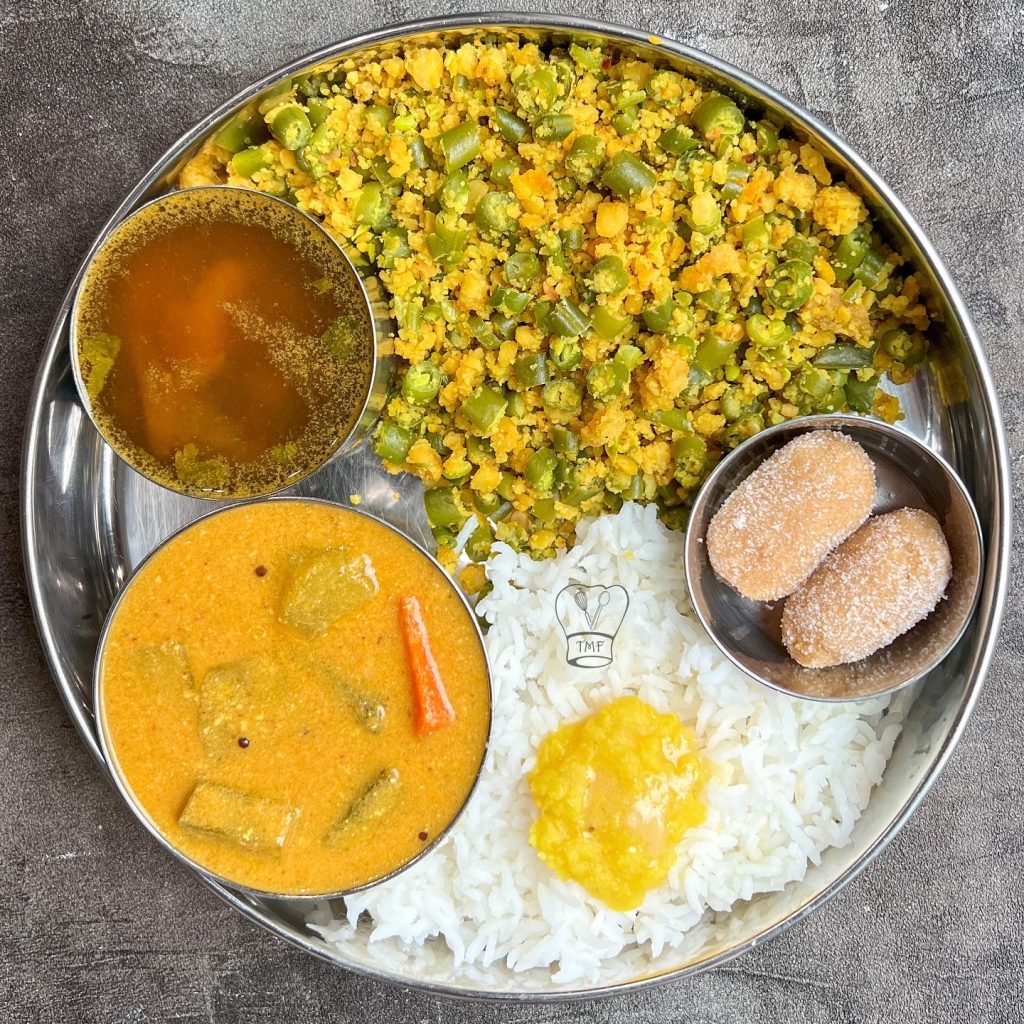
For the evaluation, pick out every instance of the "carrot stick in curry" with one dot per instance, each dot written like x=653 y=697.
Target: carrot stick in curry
x=433 y=708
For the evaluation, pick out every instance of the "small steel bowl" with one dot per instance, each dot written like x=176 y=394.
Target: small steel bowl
x=908 y=474
x=363 y=287
x=121 y=783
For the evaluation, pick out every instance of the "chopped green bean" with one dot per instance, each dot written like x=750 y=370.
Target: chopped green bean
x=392 y=442
x=442 y=508
x=790 y=285
x=484 y=409
x=460 y=145
x=626 y=175
x=522 y=269
x=540 y=470
x=606 y=380
x=290 y=126
x=609 y=276
x=567 y=320
x=718 y=116
x=562 y=395
x=421 y=383
x=554 y=127
x=844 y=356
x=513 y=129
x=531 y=370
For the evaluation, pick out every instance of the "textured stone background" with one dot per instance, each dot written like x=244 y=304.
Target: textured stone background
x=96 y=925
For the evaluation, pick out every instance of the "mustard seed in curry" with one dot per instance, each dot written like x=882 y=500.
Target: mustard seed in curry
x=278 y=729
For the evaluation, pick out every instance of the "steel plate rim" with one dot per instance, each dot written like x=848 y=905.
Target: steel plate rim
x=991 y=605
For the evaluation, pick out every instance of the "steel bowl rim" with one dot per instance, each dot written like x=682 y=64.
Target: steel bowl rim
x=112 y=228
x=136 y=806
x=807 y=424
x=995 y=577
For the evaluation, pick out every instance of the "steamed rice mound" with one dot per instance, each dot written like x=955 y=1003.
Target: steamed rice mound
x=789 y=778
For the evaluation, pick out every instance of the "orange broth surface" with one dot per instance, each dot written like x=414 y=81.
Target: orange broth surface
x=209 y=698
x=223 y=346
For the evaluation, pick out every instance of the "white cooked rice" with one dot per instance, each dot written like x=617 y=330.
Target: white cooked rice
x=791 y=776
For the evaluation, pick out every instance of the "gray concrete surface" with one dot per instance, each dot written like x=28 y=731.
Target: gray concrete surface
x=96 y=925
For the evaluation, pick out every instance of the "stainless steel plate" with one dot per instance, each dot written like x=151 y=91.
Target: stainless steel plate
x=88 y=519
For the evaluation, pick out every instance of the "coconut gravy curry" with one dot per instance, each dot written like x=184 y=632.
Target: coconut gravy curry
x=275 y=710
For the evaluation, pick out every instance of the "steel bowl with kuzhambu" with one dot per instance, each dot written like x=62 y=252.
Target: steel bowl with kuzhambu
x=222 y=343
x=293 y=697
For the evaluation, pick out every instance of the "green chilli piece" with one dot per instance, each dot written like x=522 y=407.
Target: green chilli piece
x=690 y=454
x=671 y=419
x=392 y=442
x=394 y=246
x=454 y=192
x=571 y=238
x=626 y=175
x=460 y=145
x=860 y=394
x=606 y=380
x=609 y=276
x=509 y=299
x=756 y=236
x=544 y=510
x=419 y=152
x=873 y=270
x=248 y=161
x=658 y=317
x=484 y=332
x=718 y=116
x=536 y=90
x=766 y=137
x=800 y=248
x=484 y=409
x=629 y=356
x=625 y=121
x=586 y=57
x=564 y=441
x=421 y=382
x=448 y=241
x=478 y=546
x=850 y=253
x=790 y=285
x=502 y=170
x=373 y=206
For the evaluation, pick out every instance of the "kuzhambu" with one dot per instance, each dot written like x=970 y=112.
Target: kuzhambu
x=295 y=696
x=223 y=343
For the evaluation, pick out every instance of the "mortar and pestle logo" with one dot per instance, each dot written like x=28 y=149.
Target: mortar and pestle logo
x=580 y=610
